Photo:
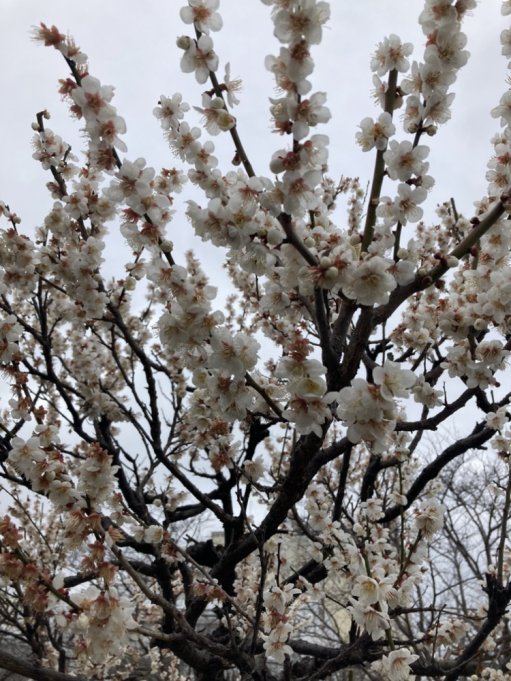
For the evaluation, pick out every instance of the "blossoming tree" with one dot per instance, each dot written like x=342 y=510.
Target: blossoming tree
x=248 y=493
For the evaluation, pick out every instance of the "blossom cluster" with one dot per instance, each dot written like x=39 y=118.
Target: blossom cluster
x=103 y=625
x=369 y=409
x=298 y=26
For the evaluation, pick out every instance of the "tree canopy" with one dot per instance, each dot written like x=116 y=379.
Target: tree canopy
x=250 y=483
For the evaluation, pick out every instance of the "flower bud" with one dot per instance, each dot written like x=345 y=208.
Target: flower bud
x=480 y=324
x=184 y=42
x=166 y=245
x=274 y=236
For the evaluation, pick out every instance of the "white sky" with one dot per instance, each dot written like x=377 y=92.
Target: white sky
x=131 y=45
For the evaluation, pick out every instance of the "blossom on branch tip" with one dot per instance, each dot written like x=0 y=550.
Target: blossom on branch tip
x=51 y=36
x=391 y=54
x=203 y=14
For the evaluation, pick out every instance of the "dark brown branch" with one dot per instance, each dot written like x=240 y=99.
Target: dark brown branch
x=17 y=665
x=477 y=438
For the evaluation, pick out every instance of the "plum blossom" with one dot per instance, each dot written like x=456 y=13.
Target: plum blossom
x=153 y=534
x=50 y=150
x=391 y=54
x=369 y=619
x=437 y=108
x=105 y=622
x=437 y=14
x=216 y=117
x=447 y=45
x=97 y=475
x=231 y=86
x=277 y=602
x=232 y=354
x=298 y=189
x=503 y=110
x=369 y=590
x=368 y=415
x=371 y=282
x=404 y=160
x=429 y=77
x=170 y=111
x=429 y=518
x=103 y=124
x=51 y=36
x=203 y=14
x=185 y=142
x=291 y=74
x=498 y=419
x=275 y=645
x=505 y=41
x=253 y=470
x=396 y=665
x=375 y=134
x=108 y=131
x=10 y=332
x=133 y=179
x=309 y=405
x=394 y=381
x=425 y=394
x=304 y=20
x=404 y=208
x=298 y=117
x=193 y=387
x=309 y=113
x=199 y=57
x=92 y=98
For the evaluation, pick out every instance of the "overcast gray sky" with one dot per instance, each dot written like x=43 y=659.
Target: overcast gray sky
x=131 y=45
